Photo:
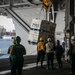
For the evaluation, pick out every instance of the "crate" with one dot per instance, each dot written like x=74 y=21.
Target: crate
x=41 y=28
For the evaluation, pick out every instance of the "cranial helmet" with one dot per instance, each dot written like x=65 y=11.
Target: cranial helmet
x=73 y=38
x=49 y=39
x=57 y=41
x=41 y=38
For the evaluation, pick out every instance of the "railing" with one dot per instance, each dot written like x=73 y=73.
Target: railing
x=21 y=19
x=22 y=23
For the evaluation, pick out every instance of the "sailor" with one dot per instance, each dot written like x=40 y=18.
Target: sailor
x=40 y=51
x=49 y=53
x=59 y=52
x=17 y=57
x=10 y=49
x=73 y=55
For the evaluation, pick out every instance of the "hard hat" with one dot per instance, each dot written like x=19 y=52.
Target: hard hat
x=18 y=39
x=62 y=40
x=73 y=38
x=49 y=39
x=57 y=41
x=41 y=38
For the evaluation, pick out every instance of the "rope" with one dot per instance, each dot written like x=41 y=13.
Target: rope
x=40 y=12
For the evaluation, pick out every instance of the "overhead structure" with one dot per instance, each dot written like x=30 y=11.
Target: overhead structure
x=22 y=14
x=46 y=4
x=69 y=23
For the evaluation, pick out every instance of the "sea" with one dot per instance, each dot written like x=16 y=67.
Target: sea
x=4 y=45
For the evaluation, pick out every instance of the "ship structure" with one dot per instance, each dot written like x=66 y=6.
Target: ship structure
x=39 y=18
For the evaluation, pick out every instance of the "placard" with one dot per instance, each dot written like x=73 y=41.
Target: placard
x=33 y=36
x=36 y=23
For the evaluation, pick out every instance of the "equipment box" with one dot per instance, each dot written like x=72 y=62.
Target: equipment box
x=41 y=28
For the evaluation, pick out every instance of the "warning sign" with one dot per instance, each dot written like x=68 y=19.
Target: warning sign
x=36 y=24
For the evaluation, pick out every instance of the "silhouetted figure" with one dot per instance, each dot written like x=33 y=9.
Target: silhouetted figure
x=49 y=53
x=73 y=56
x=63 y=45
x=40 y=52
x=59 y=52
x=10 y=49
x=17 y=57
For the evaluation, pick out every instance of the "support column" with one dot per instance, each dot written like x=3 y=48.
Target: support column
x=69 y=24
x=67 y=28
x=74 y=15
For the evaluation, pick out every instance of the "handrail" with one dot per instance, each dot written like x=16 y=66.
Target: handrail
x=20 y=19
x=22 y=23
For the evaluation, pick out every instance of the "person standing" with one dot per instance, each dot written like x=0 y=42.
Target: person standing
x=40 y=52
x=63 y=45
x=17 y=57
x=59 y=51
x=73 y=56
x=10 y=49
x=49 y=53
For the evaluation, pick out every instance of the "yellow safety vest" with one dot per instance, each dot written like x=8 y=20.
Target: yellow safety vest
x=40 y=46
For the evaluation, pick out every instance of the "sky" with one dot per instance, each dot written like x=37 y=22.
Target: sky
x=7 y=23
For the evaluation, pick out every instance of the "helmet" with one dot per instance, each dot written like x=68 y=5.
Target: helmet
x=41 y=38
x=57 y=41
x=49 y=39
x=73 y=38
x=62 y=40
x=18 y=39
